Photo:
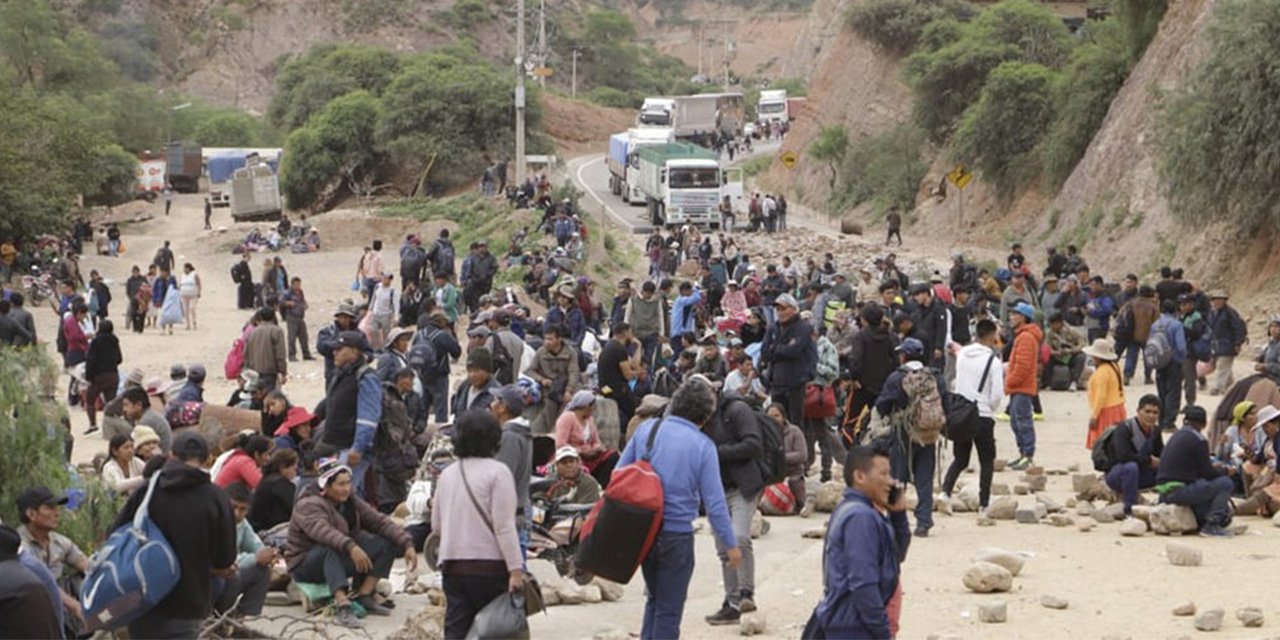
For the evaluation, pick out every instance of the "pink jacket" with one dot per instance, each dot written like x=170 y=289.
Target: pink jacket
x=240 y=467
x=570 y=431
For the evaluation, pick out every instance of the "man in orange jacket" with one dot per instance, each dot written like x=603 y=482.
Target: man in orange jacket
x=1020 y=383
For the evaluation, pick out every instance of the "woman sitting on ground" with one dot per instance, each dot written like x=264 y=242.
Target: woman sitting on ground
x=275 y=409
x=146 y=443
x=272 y=502
x=123 y=471
x=337 y=539
x=245 y=463
x=295 y=430
x=577 y=428
x=475 y=513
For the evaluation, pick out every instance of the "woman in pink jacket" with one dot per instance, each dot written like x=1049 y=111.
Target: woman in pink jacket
x=577 y=428
x=253 y=450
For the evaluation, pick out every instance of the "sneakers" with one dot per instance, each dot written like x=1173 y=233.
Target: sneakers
x=372 y=606
x=725 y=616
x=346 y=617
x=746 y=604
x=1021 y=463
x=1214 y=531
x=92 y=429
x=942 y=502
x=921 y=532
x=1002 y=417
x=1038 y=417
x=807 y=509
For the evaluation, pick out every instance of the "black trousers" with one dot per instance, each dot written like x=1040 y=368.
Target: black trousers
x=464 y=597
x=985 y=440
x=792 y=400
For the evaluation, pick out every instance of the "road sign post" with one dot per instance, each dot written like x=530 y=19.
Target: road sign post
x=960 y=177
x=789 y=159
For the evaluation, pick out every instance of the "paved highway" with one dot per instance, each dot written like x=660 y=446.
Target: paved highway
x=591 y=175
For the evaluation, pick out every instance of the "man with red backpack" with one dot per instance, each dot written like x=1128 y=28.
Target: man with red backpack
x=913 y=405
x=685 y=461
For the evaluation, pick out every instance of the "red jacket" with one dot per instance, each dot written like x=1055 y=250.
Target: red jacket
x=1024 y=361
x=77 y=342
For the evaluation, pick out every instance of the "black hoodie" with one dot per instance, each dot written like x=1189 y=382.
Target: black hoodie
x=195 y=516
x=871 y=359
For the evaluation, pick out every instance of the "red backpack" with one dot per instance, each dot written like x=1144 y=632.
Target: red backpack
x=621 y=528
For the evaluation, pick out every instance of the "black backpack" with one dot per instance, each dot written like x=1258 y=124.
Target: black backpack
x=773 y=464
x=424 y=359
x=1101 y=453
x=411 y=263
x=444 y=258
x=503 y=364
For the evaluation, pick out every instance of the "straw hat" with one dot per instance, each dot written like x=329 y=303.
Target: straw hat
x=1102 y=349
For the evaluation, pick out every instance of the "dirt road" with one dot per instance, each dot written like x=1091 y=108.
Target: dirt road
x=1116 y=586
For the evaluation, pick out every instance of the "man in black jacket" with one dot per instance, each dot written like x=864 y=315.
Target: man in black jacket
x=791 y=357
x=344 y=319
x=1227 y=337
x=1188 y=477
x=930 y=319
x=195 y=517
x=242 y=275
x=436 y=381
x=871 y=360
x=740 y=447
x=1136 y=447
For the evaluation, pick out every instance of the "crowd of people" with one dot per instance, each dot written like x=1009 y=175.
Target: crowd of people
x=737 y=364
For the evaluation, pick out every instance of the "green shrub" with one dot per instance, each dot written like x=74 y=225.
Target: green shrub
x=897 y=25
x=885 y=169
x=1219 y=136
x=757 y=165
x=951 y=65
x=610 y=97
x=829 y=147
x=1082 y=96
x=1000 y=132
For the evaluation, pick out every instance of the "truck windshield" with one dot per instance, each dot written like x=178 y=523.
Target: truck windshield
x=772 y=107
x=660 y=118
x=695 y=178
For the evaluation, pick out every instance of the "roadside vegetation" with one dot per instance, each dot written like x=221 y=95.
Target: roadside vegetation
x=1007 y=89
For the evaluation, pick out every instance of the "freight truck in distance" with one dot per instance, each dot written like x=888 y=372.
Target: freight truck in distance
x=184 y=167
x=772 y=106
x=255 y=191
x=621 y=159
x=684 y=184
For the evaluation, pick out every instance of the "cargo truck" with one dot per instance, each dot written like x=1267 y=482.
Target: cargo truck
x=184 y=166
x=621 y=160
x=772 y=107
x=684 y=184
x=656 y=112
x=709 y=113
x=255 y=192
x=150 y=176
x=222 y=163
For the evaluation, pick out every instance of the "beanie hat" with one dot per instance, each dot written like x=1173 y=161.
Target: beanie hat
x=480 y=358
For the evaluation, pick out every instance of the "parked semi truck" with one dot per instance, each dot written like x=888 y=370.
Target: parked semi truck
x=656 y=112
x=772 y=106
x=621 y=159
x=184 y=166
x=695 y=116
x=221 y=164
x=684 y=184
x=255 y=191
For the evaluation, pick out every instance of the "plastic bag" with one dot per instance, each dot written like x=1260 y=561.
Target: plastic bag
x=355 y=285
x=504 y=617
x=171 y=311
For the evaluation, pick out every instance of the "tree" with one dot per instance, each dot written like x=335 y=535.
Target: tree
x=1218 y=136
x=116 y=176
x=337 y=144
x=1001 y=130
x=227 y=129
x=830 y=147
x=326 y=72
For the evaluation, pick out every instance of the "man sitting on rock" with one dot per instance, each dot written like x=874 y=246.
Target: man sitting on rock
x=1066 y=350
x=1188 y=477
x=1135 y=450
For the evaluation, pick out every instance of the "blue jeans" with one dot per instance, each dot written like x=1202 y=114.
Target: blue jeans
x=1169 y=388
x=923 y=464
x=1128 y=478
x=1210 y=499
x=667 y=572
x=1131 y=351
x=1024 y=428
x=438 y=387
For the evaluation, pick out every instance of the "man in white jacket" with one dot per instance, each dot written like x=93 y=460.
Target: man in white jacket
x=979 y=378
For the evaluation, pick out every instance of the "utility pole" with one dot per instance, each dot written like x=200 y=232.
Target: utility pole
x=576 y=53
x=520 y=160
x=542 y=40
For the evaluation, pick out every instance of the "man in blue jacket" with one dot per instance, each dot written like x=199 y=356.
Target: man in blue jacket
x=1169 y=377
x=790 y=357
x=682 y=312
x=1098 y=310
x=912 y=461
x=1188 y=476
x=1227 y=336
x=863 y=553
x=686 y=462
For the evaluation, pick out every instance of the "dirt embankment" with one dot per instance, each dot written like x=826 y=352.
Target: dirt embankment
x=579 y=128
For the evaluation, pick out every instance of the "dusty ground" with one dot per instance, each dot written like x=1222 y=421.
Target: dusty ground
x=1116 y=586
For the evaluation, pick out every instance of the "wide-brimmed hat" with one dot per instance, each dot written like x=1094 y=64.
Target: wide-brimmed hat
x=1267 y=414
x=1102 y=349
x=296 y=417
x=396 y=334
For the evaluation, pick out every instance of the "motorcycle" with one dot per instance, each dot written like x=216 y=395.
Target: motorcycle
x=553 y=533
x=38 y=286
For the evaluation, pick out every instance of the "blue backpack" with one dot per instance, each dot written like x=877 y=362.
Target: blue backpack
x=132 y=572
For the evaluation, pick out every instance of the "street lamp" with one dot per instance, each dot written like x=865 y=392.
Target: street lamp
x=168 y=127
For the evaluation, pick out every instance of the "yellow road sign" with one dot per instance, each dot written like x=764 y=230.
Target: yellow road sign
x=960 y=176
x=789 y=159
x=542 y=72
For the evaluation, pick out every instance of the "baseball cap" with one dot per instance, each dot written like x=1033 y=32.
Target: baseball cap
x=38 y=496
x=353 y=339
x=480 y=358
x=190 y=445
x=480 y=331
x=785 y=300
x=1025 y=310
x=911 y=347
x=566 y=452
x=345 y=310
x=1196 y=415
x=512 y=396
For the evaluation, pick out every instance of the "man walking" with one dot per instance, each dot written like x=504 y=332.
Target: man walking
x=1020 y=384
x=894 y=219
x=863 y=554
x=208 y=215
x=264 y=351
x=980 y=379
x=435 y=379
x=790 y=357
x=686 y=462
x=1228 y=335
x=242 y=275
x=912 y=460
x=740 y=449
x=293 y=305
